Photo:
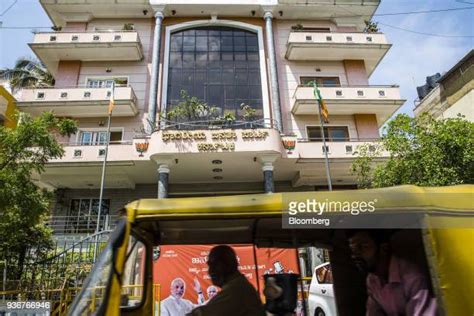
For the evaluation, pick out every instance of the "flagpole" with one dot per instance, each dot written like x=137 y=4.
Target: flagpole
x=325 y=148
x=104 y=165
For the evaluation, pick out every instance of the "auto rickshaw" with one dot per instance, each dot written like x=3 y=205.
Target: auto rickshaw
x=436 y=224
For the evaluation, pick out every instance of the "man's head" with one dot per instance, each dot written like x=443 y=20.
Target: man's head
x=222 y=263
x=177 y=288
x=211 y=291
x=367 y=247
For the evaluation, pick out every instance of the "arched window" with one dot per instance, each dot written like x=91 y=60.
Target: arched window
x=218 y=65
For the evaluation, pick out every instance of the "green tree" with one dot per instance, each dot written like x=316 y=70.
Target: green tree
x=23 y=206
x=423 y=151
x=27 y=73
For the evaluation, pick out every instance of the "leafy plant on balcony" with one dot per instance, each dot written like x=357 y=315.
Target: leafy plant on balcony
x=248 y=113
x=371 y=26
x=191 y=109
x=56 y=28
x=297 y=27
x=128 y=27
x=27 y=73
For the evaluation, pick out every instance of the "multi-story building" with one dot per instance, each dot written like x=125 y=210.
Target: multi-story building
x=265 y=54
x=452 y=94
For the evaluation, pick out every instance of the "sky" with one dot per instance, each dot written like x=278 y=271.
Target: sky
x=411 y=58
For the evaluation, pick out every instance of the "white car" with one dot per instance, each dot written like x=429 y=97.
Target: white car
x=321 y=294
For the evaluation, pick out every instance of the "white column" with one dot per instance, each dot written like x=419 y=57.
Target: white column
x=267 y=169
x=163 y=180
x=275 y=90
x=155 y=63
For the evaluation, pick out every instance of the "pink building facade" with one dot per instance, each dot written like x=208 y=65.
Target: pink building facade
x=263 y=54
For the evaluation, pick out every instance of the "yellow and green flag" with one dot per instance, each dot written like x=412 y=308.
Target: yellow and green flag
x=322 y=103
x=112 y=100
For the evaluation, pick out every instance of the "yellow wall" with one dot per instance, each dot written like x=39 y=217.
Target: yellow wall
x=8 y=111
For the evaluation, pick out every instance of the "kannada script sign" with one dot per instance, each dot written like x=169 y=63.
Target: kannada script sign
x=218 y=140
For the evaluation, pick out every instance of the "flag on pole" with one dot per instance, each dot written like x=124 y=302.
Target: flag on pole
x=322 y=103
x=112 y=100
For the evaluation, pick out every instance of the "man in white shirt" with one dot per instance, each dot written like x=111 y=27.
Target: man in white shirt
x=175 y=304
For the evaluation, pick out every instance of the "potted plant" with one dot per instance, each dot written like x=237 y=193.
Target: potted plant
x=128 y=27
x=191 y=109
x=297 y=28
x=249 y=114
x=371 y=27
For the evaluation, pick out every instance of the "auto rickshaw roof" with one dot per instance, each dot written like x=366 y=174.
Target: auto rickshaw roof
x=392 y=199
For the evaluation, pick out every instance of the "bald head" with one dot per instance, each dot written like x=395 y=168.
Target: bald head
x=222 y=263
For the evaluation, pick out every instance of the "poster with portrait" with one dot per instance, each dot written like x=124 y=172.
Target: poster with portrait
x=188 y=263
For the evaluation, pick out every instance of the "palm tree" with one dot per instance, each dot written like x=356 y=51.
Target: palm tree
x=27 y=73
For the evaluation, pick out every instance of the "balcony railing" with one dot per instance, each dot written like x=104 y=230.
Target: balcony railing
x=81 y=224
x=78 y=101
x=86 y=46
x=333 y=46
x=339 y=92
x=87 y=37
x=382 y=101
x=216 y=124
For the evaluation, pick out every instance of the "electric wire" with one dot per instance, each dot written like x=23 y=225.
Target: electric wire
x=8 y=9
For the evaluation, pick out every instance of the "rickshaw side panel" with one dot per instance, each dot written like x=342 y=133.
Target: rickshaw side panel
x=452 y=261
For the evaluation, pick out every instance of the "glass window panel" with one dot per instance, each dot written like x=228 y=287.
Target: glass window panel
x=175 y=77
x=214 y=43
x=252 y=56
x=176 y=43
x=229 y=92
x=200 y=76
x=86 y=138
x=226 y=32
x=200 y=91
x=201 y=32
x=241 y=76
x=241 y=64
x=228 y=76
x=215 y=95
x=228 y=56
x=176 y=60
x=227 y=44
x=241 y=92
x=101 y=138
x=239 y=44
x=240 y=56
x=201 y=60
x=188 y=77
x=255 y=92
x=338 y=133
x=201 y=44
x=217 y=64
x=189 y=32
x=189 y=43
x=214 y=76
x=214 y=57
x=188 y=60
x=255 y=75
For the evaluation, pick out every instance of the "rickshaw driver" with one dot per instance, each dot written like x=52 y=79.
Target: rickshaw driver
x=394 y=285
x=238 y=297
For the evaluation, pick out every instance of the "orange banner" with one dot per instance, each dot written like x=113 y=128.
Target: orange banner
x=189 y=264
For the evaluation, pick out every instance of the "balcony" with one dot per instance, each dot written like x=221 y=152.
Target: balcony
x=78 y=102
x=80 y=224
x=380 y=100
x=86 y=46
x=306 y=46
x=341 y=154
